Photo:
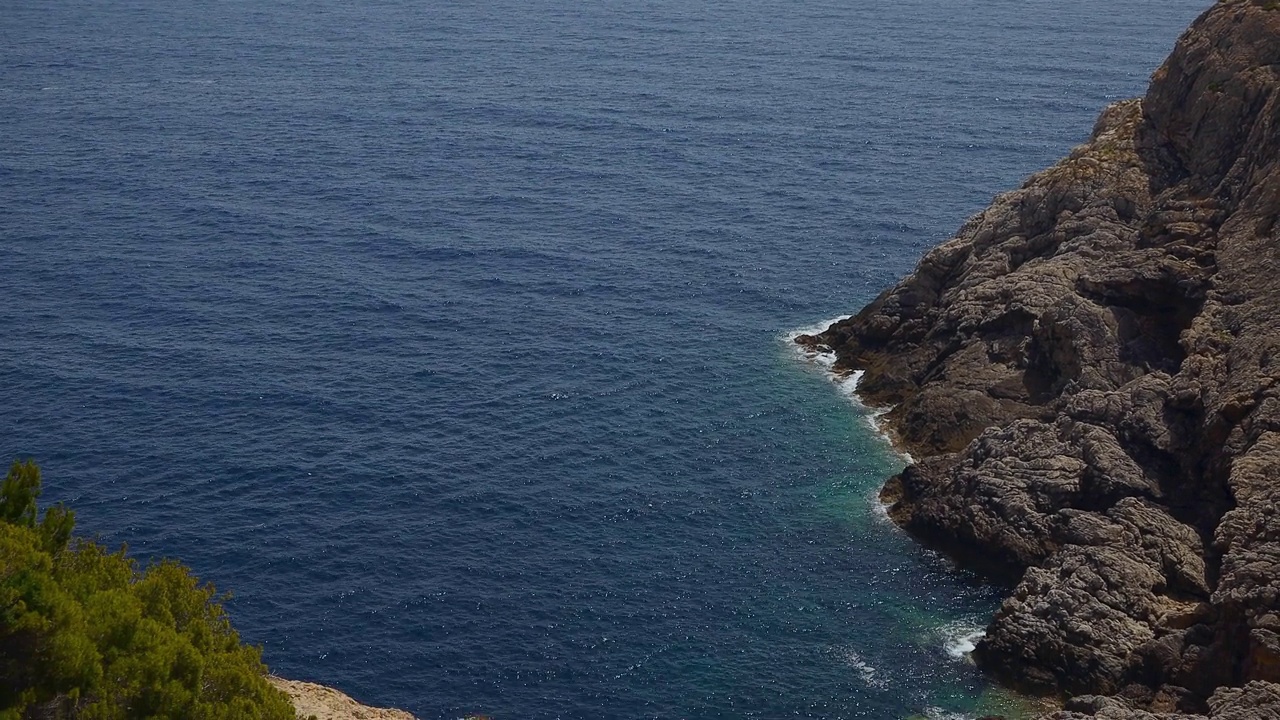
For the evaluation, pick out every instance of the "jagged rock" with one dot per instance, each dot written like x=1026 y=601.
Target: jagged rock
x=1089 y=375
x=1255 y=701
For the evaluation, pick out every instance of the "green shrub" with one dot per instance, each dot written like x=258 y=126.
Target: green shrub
x=85 y=634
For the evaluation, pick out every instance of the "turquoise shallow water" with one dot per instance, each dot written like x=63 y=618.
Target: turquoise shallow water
x=451 y=335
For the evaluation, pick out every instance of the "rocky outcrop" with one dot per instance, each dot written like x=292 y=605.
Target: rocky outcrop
x=1089 y=374
x=1255 y=701
x=324 y=703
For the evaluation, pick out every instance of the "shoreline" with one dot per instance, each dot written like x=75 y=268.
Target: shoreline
x=326 y=703
x=804 y=343
x=1087 y=373
x=956 y=639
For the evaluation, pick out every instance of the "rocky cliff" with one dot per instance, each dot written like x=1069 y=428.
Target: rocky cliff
x=1089 y=374
x=317 y=702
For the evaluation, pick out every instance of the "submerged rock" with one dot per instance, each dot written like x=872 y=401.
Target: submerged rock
x=1089 y=374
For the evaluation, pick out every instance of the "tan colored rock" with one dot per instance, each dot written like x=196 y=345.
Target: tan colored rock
x=325 y=703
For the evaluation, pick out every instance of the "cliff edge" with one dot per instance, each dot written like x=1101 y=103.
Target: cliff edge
x=1089 y=374
x=324 y=703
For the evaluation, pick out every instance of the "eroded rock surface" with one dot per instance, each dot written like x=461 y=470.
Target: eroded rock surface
x=1089 y=373
x=324 y=703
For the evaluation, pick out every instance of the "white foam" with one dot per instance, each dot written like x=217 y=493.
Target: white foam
x=815 y=329
x=937 y=713
x=869 y=675
x=879 y=508
x=846 y=382
x=960 y=638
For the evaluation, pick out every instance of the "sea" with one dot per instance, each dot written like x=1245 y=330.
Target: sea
x=452 y=336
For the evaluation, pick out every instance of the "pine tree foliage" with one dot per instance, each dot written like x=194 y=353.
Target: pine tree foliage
x=85 y=634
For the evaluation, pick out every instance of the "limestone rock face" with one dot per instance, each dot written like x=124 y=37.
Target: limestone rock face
x=1089 y=374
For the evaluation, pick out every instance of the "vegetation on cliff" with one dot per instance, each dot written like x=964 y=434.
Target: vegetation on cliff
x=87 y=633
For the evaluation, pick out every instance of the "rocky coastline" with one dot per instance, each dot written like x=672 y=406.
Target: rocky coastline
x=1088 y=376
x=312 y=701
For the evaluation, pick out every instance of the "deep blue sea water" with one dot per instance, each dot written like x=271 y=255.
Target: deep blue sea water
x=450 y=335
